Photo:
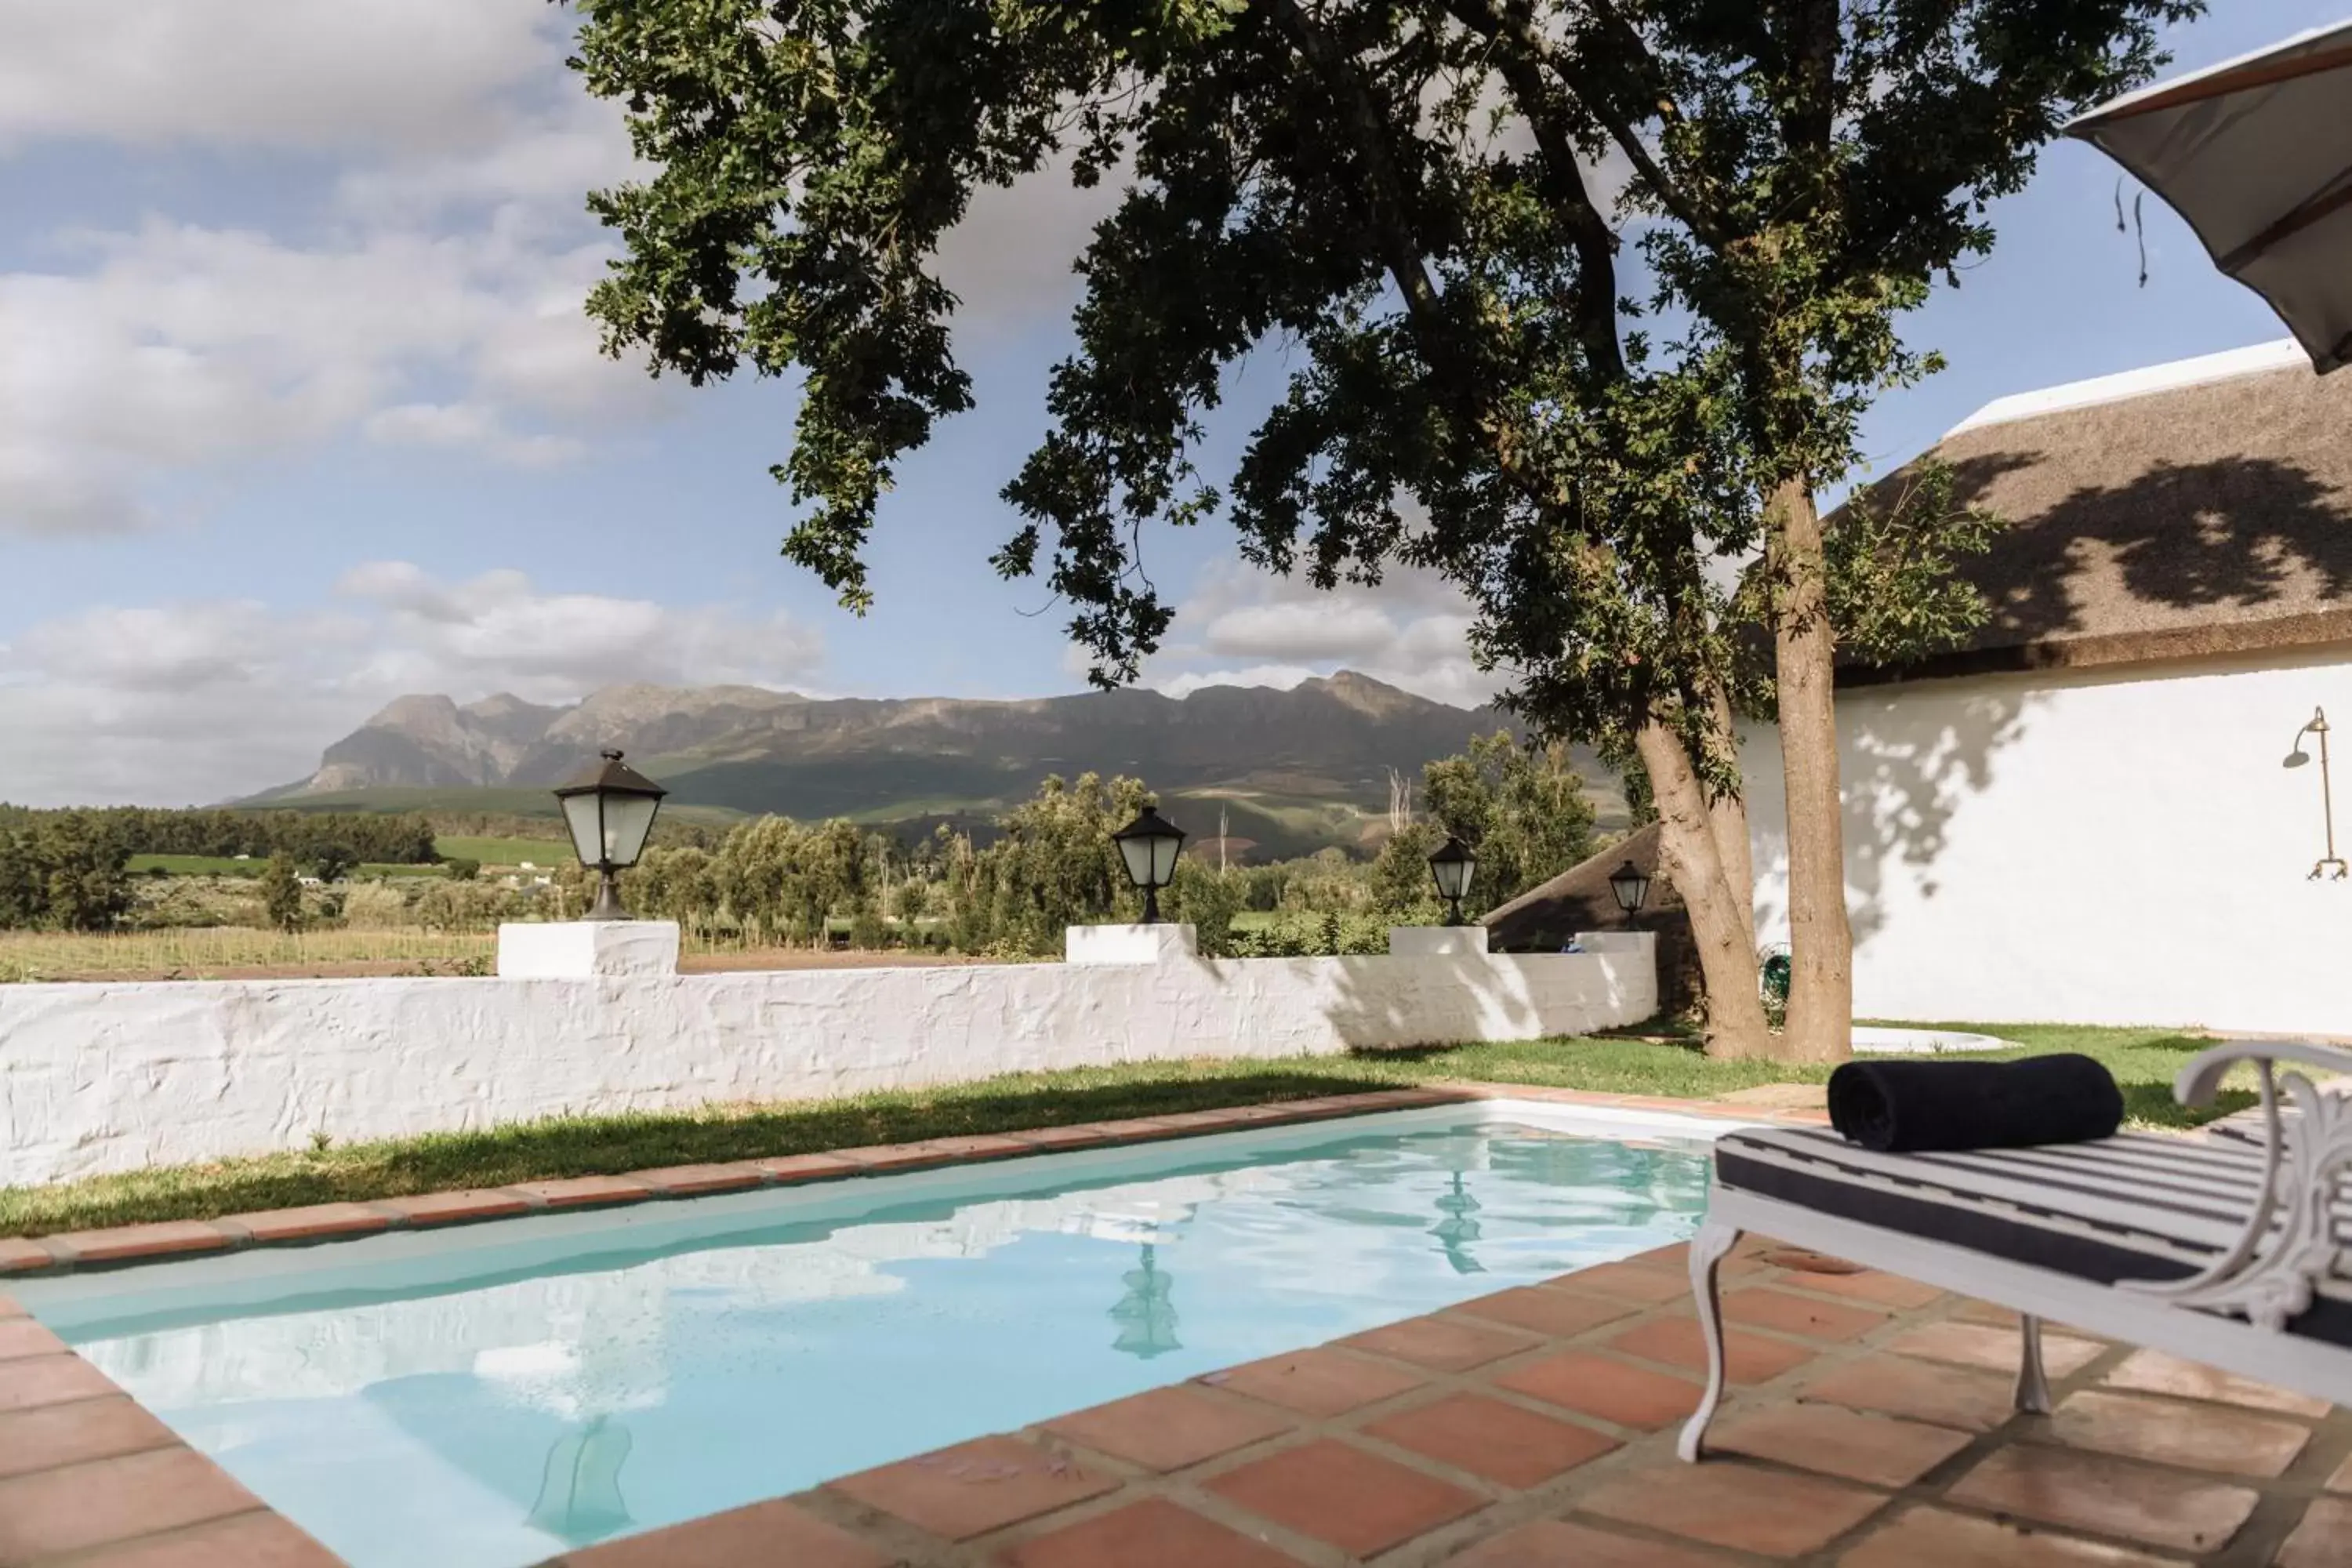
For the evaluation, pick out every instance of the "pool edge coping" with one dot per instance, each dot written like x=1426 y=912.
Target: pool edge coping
x=160 y=1241
x=239 y=1232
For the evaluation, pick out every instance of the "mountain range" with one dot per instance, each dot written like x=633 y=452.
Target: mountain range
x=1287 y=770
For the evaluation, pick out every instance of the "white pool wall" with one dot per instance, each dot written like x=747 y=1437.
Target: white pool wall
x=98 y=1078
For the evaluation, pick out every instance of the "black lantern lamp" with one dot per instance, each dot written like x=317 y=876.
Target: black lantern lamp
x=1453 y=867
x=1149 y=844
x=610 y=810
x=1630 y=886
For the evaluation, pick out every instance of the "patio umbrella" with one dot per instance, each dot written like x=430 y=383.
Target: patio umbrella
x=2257 y=154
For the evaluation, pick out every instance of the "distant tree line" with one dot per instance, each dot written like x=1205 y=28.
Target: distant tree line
x=403 y=840
x=1054 y=866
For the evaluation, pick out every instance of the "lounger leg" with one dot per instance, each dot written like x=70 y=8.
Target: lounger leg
x=2033 y=1385
x=1706 y=1250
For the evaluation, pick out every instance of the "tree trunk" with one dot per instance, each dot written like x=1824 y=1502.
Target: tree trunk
x=1728 y=815
x=1819 y=1026
x=1721 y=914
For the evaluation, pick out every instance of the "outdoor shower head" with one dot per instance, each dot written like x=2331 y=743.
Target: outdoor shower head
x=2317 y=726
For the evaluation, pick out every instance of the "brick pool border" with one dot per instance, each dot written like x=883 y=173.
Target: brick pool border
x=123 y=1246
x=89 y=1479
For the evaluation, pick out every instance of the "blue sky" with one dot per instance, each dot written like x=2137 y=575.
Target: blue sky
x=297 y=411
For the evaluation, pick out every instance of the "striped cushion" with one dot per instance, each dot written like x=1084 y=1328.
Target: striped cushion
x=2135 y=1206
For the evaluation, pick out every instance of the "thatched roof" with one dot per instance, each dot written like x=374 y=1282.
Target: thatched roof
x=1542 y=919
x=2189 y=510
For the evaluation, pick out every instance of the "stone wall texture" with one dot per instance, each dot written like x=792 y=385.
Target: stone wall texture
x=107 y=1077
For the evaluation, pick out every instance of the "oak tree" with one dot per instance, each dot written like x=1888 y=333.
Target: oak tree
x=1576 y=402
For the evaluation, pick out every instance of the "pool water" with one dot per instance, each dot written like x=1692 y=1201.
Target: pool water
x=484 y=1399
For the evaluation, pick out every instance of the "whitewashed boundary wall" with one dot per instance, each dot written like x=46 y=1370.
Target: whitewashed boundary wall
x=107 y=1077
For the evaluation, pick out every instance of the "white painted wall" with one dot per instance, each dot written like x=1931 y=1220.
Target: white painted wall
x=2087 y=846
x=98 y=1078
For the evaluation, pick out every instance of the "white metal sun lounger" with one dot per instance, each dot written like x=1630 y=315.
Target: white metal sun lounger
x=2228 y=1249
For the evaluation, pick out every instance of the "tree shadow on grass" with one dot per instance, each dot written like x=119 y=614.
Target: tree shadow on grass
x=610 y=1145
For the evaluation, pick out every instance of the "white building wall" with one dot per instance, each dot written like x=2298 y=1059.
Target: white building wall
x=2097 y=846
x=99 y=1078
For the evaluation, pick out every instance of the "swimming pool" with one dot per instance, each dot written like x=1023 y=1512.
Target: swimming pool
x=485 y=1397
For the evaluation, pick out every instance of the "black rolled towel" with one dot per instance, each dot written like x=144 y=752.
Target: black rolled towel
x=1904 y=1107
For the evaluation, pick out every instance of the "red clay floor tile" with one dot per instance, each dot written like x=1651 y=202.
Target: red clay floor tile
x=1153 y=1534
x=1783 y=1311
x=1931 y=1538
x=18 y=1256
x=583 y=1192
x=24 y=1337
x=33 y=1381
x=1598 y=1385
x=1728 y=1503
x=454 y=1208
x=2323 y=1540
x=1319 y=1382
x=776 y=1534
x=1337 y=1493
x=1676 y=1342
x=1895 y=1386
x=1996 y=1350
x=1170 y=1429
x=1879 y=1290
x=2105 y=1496
x=1546 y=1310
x=52 y=1513
x=794 y=1168
x=1645 y=1284
x=1877 y=1450
x=70 y=1434
x=1442 y=1345
x=1505 y=1443
x=314 y=1223
x=2229 y=1442
x=693 y=1181
x=256 y=1540
x=125 y=1243
x=2153 y=1371
x=976 y=1486
x=1559 y=1543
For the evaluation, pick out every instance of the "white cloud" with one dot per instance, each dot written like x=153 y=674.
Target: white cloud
x=1246 y=627
x=202 y=700
x=298 y=74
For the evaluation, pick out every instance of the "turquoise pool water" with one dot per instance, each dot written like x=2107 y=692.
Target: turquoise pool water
x=484 y=1399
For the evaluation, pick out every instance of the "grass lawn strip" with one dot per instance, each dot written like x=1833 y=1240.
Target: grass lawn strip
x=2143 y=1060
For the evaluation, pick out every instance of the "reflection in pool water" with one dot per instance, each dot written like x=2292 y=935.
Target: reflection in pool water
x=491 y=1415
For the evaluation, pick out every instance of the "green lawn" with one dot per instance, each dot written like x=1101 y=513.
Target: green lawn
x=540 y=852
x=2144 y=1061
x=195 y=865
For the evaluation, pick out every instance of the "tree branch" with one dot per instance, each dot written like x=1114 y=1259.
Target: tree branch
x=1596 y=246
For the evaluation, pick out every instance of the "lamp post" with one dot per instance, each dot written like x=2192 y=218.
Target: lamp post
x=2295 y=759
x=610 y=810
x=1149 y=846
x=1630 y=886
x=1452 y=867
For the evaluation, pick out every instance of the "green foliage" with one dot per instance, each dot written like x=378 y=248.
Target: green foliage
x=1522 y=810
x=1055 y=868
x=211 y=831
x=67 y=869
x=1396 y=191
x=331 y=862
x=461 y=869
x=281 y=892
x=1401 y=886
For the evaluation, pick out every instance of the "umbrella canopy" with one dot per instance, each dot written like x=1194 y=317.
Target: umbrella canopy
x=2257 y=154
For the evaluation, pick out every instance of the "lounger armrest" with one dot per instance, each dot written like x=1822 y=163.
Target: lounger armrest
x=2287 y=1245
x=2202 y=1079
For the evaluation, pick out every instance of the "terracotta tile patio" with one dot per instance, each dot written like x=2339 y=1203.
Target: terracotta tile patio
x=1531 y=1428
